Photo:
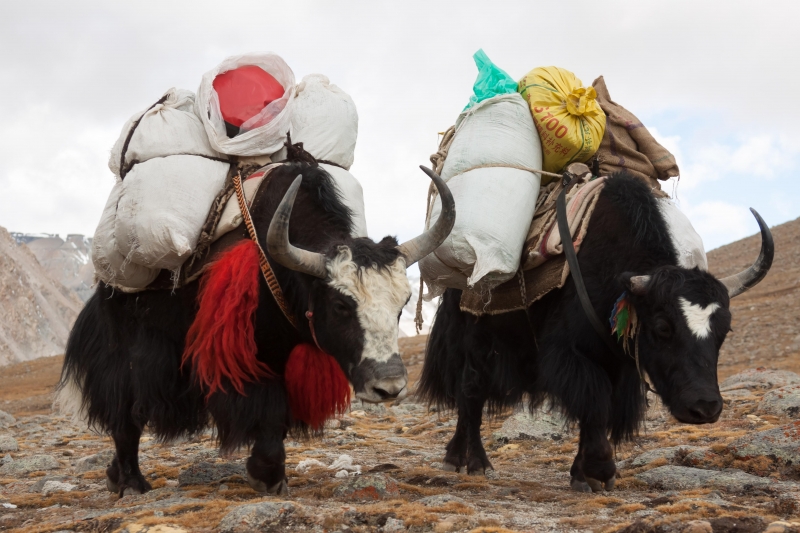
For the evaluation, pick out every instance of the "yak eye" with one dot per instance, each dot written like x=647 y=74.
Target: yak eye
x=341 y=308
x=662 y=328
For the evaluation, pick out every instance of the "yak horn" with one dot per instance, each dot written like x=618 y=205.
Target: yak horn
x=281 y=249
x=638 y=284
x=738 y=283
x=420 y=246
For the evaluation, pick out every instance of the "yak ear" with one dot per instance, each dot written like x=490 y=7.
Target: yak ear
x=636 y=284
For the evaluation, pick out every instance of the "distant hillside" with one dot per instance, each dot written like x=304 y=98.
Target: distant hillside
x=766 y=319
x=37 y=311
x=68 y=261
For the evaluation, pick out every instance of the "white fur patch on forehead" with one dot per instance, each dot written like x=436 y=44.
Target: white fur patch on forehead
x=698 y=318
x=380 y=295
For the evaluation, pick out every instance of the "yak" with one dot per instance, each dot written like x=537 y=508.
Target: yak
x=551 y=353
x=162 y=359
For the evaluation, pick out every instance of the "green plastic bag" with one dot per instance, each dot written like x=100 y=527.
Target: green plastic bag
x=491 y=81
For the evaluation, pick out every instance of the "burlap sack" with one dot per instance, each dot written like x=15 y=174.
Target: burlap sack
x=627 y=145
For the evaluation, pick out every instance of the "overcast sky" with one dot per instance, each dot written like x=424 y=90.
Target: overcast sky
x=716 y=82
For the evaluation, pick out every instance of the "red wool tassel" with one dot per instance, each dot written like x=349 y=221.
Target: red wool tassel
x=317 y=387
x=221 y=344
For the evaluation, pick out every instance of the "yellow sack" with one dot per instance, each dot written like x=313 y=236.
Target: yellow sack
x=567 y=116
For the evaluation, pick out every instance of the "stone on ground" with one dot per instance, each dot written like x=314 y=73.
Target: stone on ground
x=6 y=419
x=759 y=378
x=684 y=478
x=94 y=462
x=541 y=425
x=27 y=465
x=203 y=473
x=437 y=500
x=783 y=401
x=670 y=454
x=373 y=487
x=8 y=444
x=256 y=516
x=782 y=443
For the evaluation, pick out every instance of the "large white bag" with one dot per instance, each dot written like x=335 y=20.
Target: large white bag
x=109 y=264
x=263 y=140
x=687 y=242
x=168 y=128
x=162 y=207
x=495 y=141
x=325 y=120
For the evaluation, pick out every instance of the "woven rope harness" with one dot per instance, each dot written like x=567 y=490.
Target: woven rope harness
x=266 y=270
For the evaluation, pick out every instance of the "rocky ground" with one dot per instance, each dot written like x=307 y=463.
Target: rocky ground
x=378 y=468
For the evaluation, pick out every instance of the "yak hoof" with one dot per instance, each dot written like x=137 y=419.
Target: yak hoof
x=610 y=483
x=130 y=491
x=111 y=486
x=595 y=484
x=450 y=467
x=279 y=489
x=579 y=486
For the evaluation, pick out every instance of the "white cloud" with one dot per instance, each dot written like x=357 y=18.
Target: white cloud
x=719 y=222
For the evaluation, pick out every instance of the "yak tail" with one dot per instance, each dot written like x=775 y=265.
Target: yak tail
x=220 y=344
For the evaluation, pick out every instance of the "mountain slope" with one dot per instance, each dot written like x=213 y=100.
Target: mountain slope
x=765 y=319
x=37 y=311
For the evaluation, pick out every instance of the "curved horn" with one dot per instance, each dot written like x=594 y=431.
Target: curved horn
x=420 y=246
x=281 y=249
x=738 y=283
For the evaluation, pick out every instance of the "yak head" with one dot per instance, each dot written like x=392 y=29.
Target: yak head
x=684 y=316
x=360 y=289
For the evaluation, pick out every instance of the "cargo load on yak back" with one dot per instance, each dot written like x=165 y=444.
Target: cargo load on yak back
x=325 y=120
x=487 y=160
x=167 y=177
x=174 y=163
x=566 y=114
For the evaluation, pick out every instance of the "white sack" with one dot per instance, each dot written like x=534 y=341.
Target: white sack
x=687 y=242
x=325 y=120
x=162 y=208
x=167 y=129
x=264 y=140
x=110 y=265
x=495 y=204
x=352 y=197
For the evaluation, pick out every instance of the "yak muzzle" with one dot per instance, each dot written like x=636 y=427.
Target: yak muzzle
x=699 y=411
x=376 y=382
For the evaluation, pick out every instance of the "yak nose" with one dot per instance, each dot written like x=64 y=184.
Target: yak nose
x=389 y=388
x=707 y=410
x=383 y=381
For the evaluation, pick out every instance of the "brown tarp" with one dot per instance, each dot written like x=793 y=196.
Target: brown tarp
x=627 y=145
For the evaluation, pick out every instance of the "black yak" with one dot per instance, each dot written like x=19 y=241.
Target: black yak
x=552 y=352
x=222 y=350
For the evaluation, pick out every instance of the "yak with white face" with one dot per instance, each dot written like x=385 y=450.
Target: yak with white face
x=225 y=351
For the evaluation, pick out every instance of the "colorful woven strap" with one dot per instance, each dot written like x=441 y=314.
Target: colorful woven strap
x=266 y=270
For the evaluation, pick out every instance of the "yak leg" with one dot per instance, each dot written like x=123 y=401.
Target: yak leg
x=593 y=468
x=123 y=475
x=465 y=449
x=266 y=466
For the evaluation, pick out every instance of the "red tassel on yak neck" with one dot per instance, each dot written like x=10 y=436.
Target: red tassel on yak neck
x=317 y=387
x=221 y=341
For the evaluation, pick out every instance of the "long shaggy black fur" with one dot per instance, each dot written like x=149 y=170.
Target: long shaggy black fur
x=124 y=351
x=541 y=354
